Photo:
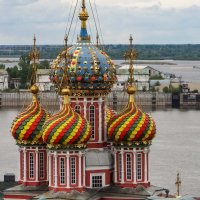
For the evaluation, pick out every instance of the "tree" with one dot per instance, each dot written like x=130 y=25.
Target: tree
x=13 y=72
x=2 y=66
x=44 y=64
x=166 y=89
x=25 y=70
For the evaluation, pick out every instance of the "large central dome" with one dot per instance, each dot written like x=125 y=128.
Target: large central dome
x=90 y=70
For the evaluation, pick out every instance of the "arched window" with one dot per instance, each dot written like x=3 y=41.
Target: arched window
x=120 y=166
x=73 y=170
x=92 y=121
x=31 y=165
x=22 y=164
x=139 y=166
x=62 y=170
x=128 y=167
x=77 y=109
x=41 y=168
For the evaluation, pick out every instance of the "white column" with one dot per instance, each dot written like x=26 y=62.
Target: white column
x=105 y=124
x=79 y=169
x=115 y=167
x=56 y=169
x=21 y=155
x=100 y=119
x=145 y=165
x=84 y=169
x=50 y=170
x=25 y=164
x=85 y=108
x=36 y=164
x=122 y=164
x=67 y=156
x=134 y=166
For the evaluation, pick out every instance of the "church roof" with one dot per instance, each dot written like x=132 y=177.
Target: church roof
x=90 y=70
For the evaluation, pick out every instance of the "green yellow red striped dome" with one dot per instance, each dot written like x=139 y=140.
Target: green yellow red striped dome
x=66 y=129
x=26 y=128
x=109 y=114
x=131 y=126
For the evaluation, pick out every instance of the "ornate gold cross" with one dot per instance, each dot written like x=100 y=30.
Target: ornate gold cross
x=131 y=55
x=178 y=185
x=34 y=57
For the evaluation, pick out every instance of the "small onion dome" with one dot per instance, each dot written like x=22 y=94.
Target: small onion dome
x=109 y=114
x=131 y=126
x=66 y=129
x=26 y=128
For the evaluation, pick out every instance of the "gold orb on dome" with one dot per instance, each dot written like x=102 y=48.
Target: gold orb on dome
x=131 y=89
x=65 y=91
x=34 y=89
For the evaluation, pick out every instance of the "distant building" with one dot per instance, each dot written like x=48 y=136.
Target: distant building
x=3 y=79
x=15 y=83
x=141 y=77
x=43 y=80
x=153 y=72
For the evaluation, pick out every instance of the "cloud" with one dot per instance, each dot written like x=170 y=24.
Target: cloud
x=150 y=21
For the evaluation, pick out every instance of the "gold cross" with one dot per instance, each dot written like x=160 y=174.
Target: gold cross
x=178 y=185
x=131 y=54
x=34 y=56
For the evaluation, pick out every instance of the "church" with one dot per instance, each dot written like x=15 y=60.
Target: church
x=85 y=150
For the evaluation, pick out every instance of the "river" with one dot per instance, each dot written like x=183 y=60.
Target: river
x=175 y=148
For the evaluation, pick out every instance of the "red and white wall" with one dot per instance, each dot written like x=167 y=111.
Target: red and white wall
x=94 y=110
x=131 y=166
x=66 y=170
x=33 y=165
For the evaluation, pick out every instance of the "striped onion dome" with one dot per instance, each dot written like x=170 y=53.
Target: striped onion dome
x=131 y=126
x=66 y=129
x=109 y=114
x=26 y=128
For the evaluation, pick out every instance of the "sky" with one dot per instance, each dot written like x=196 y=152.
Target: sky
x=149 y=21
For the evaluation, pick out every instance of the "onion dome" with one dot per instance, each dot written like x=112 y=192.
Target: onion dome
x=26 y=128
x=90 y=70
x=132 y=126
x=66 y=129
x=109 y=114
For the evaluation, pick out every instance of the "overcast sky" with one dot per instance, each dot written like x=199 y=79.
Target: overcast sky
x=150 y=21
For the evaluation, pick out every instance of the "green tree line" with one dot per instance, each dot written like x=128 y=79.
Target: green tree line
x=146 y=52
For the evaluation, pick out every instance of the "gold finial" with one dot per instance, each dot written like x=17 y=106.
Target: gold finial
x=178 y=185
x=83 y=16
x=66 y=93
x=34 y=56
x=131 y=54
x=83 y=4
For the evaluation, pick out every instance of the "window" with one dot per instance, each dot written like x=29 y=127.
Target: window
x=128 y=167
x=41 y=166
x=92 y=121
x=62 y=171
x=120 y=166
x=96 y=181
x=31 y=165
x=73 y=170
x=22 y=165
x=77 y=109
x=139 y=166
